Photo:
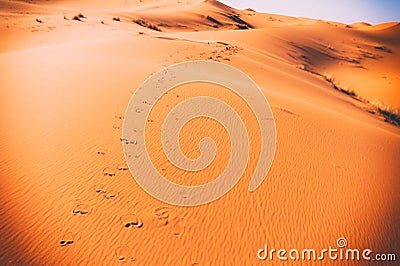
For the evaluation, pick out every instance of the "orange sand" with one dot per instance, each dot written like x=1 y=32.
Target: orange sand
x=64 y=87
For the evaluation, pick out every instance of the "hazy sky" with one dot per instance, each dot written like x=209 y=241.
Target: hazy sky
x=347 y=11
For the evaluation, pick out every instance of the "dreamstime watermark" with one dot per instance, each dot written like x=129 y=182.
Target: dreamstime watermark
x=338 y=252
x=147 y=95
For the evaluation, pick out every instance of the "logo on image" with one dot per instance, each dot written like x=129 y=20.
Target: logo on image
x=149 y=93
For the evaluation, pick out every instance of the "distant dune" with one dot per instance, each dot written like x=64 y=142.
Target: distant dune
x=67 y=72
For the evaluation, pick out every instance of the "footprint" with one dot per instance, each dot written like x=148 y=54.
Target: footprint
x=127 y=141
x=117 y=125
x=100 y=188
x=108 y=171
x=124 y=254
x=147 y=103
x=81 y=209
x=138 y=130
x=131 y=221
x=139 y=110
x=132 y=142
x=101 y=152
x=111 y=194
x=178 y=226
x=122 y=167
x=162 y=214
x=119 y=116
x=67 y=239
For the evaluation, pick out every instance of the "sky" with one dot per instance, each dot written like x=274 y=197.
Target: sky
x=346 y=11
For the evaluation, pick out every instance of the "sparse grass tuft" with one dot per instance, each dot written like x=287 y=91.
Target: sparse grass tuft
x=383 y=48
x=79 y=17
x=392 y=118
x=143 y=23
x=391 y=115
x=340 y=88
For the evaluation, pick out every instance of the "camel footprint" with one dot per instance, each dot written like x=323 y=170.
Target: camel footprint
x=131 y=221
x=67 y=239
x=82 y=209
x=124 y=254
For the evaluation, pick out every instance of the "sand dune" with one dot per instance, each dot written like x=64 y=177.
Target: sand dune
x=67 y=197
